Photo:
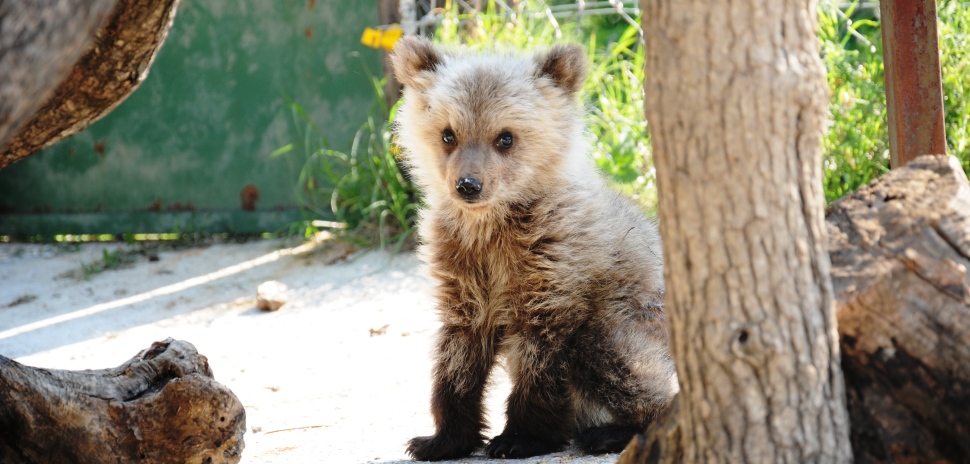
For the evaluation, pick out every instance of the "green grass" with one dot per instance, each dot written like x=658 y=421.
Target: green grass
x=856 y=148
x=362 y=193
x=363 y=187
x=954 y=34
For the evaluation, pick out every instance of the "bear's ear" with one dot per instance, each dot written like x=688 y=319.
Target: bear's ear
x=566 y=65
x=414 y=60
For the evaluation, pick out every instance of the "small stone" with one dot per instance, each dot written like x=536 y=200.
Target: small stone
x=270 y=295
x=380 y=331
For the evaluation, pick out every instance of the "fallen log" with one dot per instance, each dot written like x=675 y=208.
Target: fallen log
x=67 y=64
x=162 y=406
x=900 y=250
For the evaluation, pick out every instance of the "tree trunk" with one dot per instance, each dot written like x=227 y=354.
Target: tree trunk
x=52 y=36
x=39 y=42
x=900 y=252
x=162 y=406
x=736 y=102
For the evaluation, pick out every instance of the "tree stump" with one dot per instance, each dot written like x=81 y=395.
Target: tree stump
x=900 y=250
x=162 y=406
x=65 y=65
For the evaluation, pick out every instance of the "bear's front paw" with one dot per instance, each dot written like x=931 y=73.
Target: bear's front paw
x=514 y=446
x=438 y=447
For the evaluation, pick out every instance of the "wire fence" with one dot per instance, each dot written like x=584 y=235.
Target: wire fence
x=421 y=16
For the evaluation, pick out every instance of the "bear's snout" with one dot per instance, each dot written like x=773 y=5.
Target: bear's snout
x=469 y=187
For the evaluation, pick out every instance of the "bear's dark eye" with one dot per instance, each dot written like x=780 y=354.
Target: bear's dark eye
x=448 y=137
x=504 y=141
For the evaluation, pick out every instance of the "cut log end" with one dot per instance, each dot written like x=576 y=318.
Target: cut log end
x=900 y=250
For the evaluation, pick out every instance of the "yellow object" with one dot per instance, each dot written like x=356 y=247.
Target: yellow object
x=377 y=38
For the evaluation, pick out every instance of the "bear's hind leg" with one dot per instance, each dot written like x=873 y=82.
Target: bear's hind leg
x=606 y=439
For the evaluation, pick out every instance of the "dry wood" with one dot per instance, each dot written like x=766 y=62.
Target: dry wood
x=114 y=63
x=162 y=406
x=736 y=101
x=900 y=251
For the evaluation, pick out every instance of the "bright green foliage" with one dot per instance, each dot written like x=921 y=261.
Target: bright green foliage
x=856 y=148
x=364 y=189
x=954 y=33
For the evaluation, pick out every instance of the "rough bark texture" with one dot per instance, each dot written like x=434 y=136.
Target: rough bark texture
x=115 y=63
x=900 y=251
x=39 y=42
x=162 y=406
x=736 y=101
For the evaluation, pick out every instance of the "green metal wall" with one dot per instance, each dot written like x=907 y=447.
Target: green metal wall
x=177 y=154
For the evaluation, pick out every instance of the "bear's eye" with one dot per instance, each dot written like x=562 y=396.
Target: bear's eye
x=504 y=141
x=448 y=137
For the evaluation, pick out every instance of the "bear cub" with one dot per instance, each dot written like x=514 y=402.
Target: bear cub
x=538 y=263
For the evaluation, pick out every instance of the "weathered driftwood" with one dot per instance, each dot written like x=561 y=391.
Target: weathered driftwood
x=115 y=60
x=162 y=406
x=900 y=250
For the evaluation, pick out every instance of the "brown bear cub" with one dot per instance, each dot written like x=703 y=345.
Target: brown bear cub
x=537 y=261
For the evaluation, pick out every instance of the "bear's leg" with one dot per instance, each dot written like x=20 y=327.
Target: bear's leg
x=606 y=439
x=630 y=401
x=464 y=359
x=540 y=411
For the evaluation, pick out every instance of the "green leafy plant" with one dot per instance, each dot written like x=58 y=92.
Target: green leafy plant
x=856 y=148
x=954 y=32
x=362 y=193
x=364 y=189
x=110 y=260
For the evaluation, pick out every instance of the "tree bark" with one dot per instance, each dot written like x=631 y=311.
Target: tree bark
x=39 y=42
x=900 y=251
x=162 y=406
x=736 y=101
x=115 y=61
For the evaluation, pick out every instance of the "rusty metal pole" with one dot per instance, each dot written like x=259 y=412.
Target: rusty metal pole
x=914 y=90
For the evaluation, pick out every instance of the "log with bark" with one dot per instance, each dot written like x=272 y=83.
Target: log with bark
x=162 y=406
x=65 y=64
x=39 y=42
x=900 y=250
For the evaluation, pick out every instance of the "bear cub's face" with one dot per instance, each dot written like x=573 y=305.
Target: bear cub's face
x=481 y=130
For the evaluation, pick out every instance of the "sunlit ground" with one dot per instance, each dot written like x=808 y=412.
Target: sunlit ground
x=317 y=386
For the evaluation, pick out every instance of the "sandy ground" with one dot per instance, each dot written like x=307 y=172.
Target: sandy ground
x=318 y=385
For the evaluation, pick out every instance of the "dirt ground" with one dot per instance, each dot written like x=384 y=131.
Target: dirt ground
x=340 y=374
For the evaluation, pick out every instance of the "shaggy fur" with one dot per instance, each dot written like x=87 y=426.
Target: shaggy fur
x=537 y=261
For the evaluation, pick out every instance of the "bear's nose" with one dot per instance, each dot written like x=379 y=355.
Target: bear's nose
x=468 y=186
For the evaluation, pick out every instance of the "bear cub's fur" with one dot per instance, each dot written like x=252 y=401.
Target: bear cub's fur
x=537 y=261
